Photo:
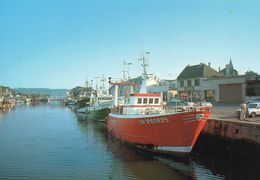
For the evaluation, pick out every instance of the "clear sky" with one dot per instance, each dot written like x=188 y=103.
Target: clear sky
x=57 y=43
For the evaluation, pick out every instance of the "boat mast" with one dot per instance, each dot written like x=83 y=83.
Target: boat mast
x=144 y=58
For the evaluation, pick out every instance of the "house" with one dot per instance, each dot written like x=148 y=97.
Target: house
x=201 y=82
x=190 y=82
x=229 y=70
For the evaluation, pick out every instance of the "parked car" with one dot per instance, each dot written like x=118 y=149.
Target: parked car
x=253 y=109
x=252 y=99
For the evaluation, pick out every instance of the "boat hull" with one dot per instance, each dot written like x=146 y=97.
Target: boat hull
x=168 y=133
x=99 y=114
x=82 y=110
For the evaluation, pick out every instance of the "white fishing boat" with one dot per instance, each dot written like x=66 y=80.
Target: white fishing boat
x=99 y=105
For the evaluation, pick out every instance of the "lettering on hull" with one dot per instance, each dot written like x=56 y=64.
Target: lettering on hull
x=154 y=120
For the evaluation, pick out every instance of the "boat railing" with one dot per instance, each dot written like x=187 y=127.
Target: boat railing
x=178 y=109
x=165 y=109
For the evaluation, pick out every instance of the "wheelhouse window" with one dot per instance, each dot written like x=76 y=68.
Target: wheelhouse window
x=145 y=100
x=150 y=100
x=139 y=101
x=156 y=101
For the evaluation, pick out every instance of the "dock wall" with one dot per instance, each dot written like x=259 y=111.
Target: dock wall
x=233 y=130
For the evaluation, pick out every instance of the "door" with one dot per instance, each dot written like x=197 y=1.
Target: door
x=230 y=93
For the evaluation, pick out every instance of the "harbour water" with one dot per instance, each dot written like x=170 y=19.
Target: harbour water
x=49 y=141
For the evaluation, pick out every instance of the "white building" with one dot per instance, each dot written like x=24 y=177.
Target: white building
x=201 y=82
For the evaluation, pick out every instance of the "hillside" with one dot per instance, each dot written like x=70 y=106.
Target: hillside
x=47 y=91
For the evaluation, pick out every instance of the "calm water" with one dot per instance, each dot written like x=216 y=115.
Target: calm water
x=49 y=141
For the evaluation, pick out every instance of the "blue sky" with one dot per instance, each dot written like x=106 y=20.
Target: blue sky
x=57 y=43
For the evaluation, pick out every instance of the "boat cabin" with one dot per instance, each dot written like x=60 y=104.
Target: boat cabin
x=142 y=104
x=105 y=98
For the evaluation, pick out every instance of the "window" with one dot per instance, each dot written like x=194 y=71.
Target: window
x=197 y=82
x=189 y=83
x=150 y=100
x=182 y=83
x=139 y=101
x=145 y=101
x=156 y=101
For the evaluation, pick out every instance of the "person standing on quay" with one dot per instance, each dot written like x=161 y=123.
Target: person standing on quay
x=243 y=111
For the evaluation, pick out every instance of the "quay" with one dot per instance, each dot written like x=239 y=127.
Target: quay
x=224 y=124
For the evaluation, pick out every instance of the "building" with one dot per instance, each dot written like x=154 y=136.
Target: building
x=190 y=82
x=171 y=86
x=229 y=70
x=201 y=82
x=225 y=89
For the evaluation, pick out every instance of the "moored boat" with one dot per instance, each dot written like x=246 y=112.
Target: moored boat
x=99 y=105
x=144 y=121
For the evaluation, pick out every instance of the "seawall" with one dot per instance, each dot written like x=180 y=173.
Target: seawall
x=233 y=130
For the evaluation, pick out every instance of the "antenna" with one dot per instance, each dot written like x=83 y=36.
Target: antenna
x=144 y=58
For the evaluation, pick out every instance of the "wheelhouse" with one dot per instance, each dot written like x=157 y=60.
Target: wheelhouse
x=142 y=104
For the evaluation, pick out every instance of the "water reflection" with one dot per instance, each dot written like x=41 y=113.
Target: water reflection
x=126 y=161
x=228 y=159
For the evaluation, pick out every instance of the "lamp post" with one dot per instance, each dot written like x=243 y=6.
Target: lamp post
x=128 y=64
x=124 y=71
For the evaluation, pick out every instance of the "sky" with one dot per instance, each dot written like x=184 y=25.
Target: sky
x=61 y=43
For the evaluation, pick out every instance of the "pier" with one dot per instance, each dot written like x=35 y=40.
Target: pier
x=224 y=124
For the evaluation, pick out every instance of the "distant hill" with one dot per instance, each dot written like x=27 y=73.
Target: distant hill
x=78 y=89
x=47 y=91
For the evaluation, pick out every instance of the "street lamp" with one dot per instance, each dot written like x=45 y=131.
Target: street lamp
x=128 y=64
x=124 y=71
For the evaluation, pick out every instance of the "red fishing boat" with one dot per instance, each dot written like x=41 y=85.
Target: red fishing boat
x=144 y=121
